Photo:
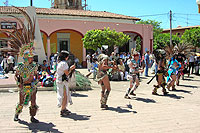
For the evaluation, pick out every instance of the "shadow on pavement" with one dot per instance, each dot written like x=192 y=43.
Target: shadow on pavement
x=146 y=100
x=184 y=91
x=77 y=117
x=173 y=96
x=143 y=77
x=40 y=127
x=191 y=79
x=120 y=110
x=78 y=95
x=189 y=86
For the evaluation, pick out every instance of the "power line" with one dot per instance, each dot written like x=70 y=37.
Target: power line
x=189 y=18
x=186 y=18
x=153 y=15
x=187 y=14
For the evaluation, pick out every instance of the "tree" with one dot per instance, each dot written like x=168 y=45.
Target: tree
x=156 y=25
x=94 y=39
x=162 y=40
x=156 y=31
x=191 y=37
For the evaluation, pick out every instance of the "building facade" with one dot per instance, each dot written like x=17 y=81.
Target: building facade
x=63 y=29
x=179 y=30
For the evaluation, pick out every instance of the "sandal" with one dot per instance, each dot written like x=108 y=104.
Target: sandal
x=104 y=106
x=64 y=112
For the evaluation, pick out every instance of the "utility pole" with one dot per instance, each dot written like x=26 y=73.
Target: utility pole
x=170 y=27
x=31 y=2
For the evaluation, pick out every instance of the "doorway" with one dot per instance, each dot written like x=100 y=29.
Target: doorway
x=63 y=45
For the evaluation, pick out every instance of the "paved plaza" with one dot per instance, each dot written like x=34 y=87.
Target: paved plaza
x=177 y=112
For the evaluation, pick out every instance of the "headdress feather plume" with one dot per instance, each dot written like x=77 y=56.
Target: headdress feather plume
x=21 y=39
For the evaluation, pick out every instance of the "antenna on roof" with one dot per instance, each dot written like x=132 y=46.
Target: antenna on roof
x=5 y=3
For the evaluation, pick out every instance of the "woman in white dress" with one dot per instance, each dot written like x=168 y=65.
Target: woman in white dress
x=63 y=93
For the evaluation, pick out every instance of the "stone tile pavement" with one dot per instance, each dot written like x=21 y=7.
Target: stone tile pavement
x=178 y=112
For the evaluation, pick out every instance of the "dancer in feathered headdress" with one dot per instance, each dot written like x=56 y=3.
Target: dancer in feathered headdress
x=134 y=72
x=103 y=79
x=161 y=72
x=22 y=41
x=173 y=66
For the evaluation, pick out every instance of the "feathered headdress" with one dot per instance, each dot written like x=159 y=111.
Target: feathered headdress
x=169 y=49
x=22 y=39
x=183 y=49
x=178 y=49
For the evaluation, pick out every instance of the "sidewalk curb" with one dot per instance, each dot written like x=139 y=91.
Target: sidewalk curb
x=6 y=89
x=8 y=86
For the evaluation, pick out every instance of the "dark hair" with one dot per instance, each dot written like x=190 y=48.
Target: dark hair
x=63 y=54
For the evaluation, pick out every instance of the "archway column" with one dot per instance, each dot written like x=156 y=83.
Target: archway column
x=48 y=48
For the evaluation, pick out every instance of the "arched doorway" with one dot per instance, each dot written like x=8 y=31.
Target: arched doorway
x=132 y=44
x=67 y=39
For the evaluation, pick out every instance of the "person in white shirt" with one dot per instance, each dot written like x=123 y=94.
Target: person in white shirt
x=191 y=64
x=10 y=62
x=63 y=93
x=4 y=64
x=88 y=58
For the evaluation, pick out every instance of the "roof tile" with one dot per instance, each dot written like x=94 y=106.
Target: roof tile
x=52 y=11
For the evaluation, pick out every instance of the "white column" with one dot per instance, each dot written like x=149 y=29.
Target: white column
x=48 y=48
x=84 y=54
x=38 y=43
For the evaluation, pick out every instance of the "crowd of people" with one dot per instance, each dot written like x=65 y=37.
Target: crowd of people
x=146 y=62
x=120 y=66
x=132 y=65
x=167 y=69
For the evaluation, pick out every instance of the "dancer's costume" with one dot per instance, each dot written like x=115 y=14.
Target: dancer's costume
x=180 y=58
x=100 y=76
x=133 y=76
x=172 y=71
x=160 y=60
x=26 y=74
x=161 y=72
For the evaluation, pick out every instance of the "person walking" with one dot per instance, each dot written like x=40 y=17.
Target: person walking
x=89 y=59
x=63 y=92
x=191 y=64
x=146 y=61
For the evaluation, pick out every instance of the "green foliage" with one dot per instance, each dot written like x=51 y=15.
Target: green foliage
x=156 y=25
x=138 y=43
x=156 y=32
x=94 y=39
x=191 y=37
x=162 y=40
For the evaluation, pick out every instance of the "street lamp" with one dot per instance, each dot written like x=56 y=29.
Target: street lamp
x=198 y=3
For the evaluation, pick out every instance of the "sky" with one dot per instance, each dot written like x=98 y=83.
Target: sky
x=184 y=12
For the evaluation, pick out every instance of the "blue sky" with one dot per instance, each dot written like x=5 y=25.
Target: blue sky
x=185 y=12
